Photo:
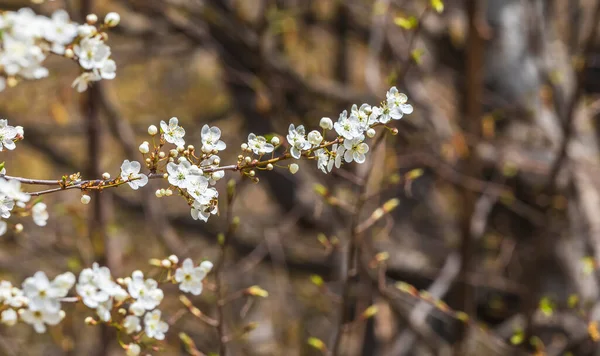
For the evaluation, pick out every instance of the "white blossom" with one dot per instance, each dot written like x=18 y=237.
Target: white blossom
x=153 y=326
x=355 y=150
x=395 y=107
x=173 y=132
x=259 y=144
x=43 y=294
x=181 y=174
x=92 y=52
x=146 y=293
x=205 y=205
x=347 y=127
x=82 y=82
x=210 y=137
x=60 y=31
x=132 y=324
x=130 y=172
x=39 y=214
x=190 y=277
x=38 y=318
x=7 y=135
x=297 y=140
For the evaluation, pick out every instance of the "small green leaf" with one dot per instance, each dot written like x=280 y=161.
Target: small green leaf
x=517 y=338
x=317 y=280
x=417 y=55
x=546 y=306
x=437 y=5
x=317 y=343
x=407 y=23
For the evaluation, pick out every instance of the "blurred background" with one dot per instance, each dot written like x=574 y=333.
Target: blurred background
x=496 y=173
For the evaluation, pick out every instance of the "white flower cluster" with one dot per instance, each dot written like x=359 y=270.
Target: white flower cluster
x=130 y=304
x=38 y=303
x=351 y=132
x=194 y=174
x=27 y=39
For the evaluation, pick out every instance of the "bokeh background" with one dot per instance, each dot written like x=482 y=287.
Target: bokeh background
x=496 y=172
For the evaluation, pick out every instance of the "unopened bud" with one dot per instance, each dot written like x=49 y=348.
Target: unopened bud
x=257 y=291
x=69 y=53
x=18 y=227
x=244 y=146
x=91 y=19
x=326 y=123
x=294 y=168
x=174 y=259
x=90 y=321
x=252 y=173
x=148 y=160
x=173 y=153
x=166 y=263
x=144 y=147
x=85 y=199
x=371 y=133
x=247 y=159
x=275 y=141
x=180 y=149
x=269 y=167
x=217 y=161
x=122 y=311
x=155 y=262
x=112 y=19
x=191 y=147
x=168 y=192
x=158 y=193
x=394 y=131
x=106 y=176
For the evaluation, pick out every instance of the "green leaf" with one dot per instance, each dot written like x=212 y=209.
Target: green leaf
x=417 y=55
x=437 y=5
x=546 y=306
x=407 y=23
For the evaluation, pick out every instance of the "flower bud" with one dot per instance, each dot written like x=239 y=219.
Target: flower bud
x=144 y=147
x=168 y=192
x=190 y=147
x=106 y=176
x=326 y=123
x=252 y=173
x=161 y=154
x=152 y=130
x=244 y=146
x=247 y=159
x=91 y=19
x=166 y=263
x=371 y=133
x=294 y=168
x=69 y=53
x=269 y=167
x=275 y=141
x=174 y=259
x=90 y=321
x=217 y=161
x=315 y=138
x=158 y=193
x=112 y=19
x=173 y=153
x=85 y=199
x=18 y=227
